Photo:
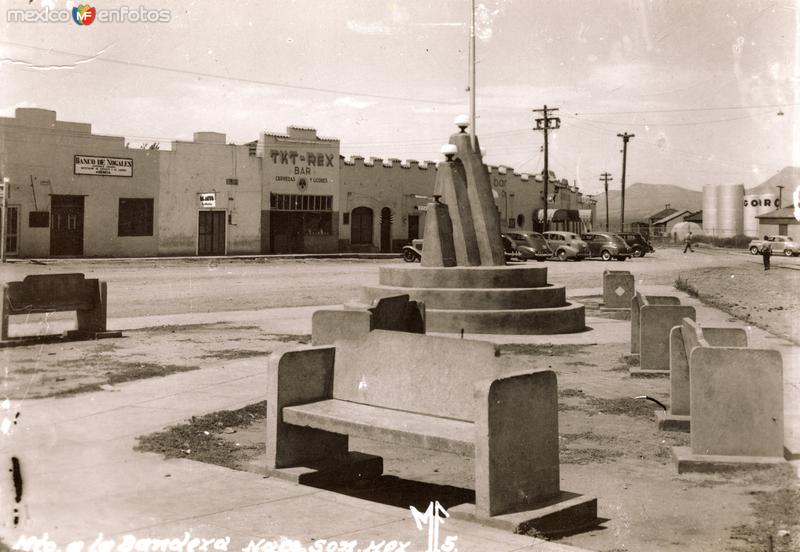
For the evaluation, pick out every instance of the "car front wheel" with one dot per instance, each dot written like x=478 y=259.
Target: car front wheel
x=754 y=250
x=638 y=252
x=562 y=255
x=605 y=255
x=787 y=252
x=409 y=256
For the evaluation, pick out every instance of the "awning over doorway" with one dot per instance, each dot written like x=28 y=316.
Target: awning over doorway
x=557 y=215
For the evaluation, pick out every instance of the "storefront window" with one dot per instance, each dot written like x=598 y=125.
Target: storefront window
x=297 y=202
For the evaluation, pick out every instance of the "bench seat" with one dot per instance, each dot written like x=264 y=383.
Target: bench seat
x=382 y=424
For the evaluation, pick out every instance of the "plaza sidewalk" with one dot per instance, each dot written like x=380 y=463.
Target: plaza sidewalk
x=82 y=477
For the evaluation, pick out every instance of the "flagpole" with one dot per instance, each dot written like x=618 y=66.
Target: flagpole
x=472 y=75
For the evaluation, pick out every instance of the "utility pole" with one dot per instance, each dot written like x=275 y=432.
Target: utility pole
x=546 y=123
x=780 y=196
x=605 y=177
x=625 y=137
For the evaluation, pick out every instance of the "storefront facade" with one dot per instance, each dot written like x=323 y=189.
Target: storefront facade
x=77 y=194
x=73 y=193
x=300 y=185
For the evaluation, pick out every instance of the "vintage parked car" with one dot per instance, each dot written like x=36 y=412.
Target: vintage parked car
x=607 y=246
x=637 y=243
x=780 y=244
x=566 y=245
x=531 y=245
x=510 y=250
x=413 y=252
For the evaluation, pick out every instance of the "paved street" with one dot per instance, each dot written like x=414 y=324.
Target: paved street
x=156 y=287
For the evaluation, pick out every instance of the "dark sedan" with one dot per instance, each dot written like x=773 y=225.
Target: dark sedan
x=531 y=245
x=637 y=243
x=607 y=246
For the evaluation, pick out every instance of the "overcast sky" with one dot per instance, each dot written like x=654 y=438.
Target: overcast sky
x=388 y=77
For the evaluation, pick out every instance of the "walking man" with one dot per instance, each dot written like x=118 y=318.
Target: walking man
x=766 y=253
x=688 y=242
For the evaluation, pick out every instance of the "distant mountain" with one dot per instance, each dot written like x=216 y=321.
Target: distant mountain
x=643 y=200
x=788 y=177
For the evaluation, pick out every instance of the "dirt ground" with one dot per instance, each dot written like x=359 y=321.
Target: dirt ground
x=55 y=370
x=766 y=299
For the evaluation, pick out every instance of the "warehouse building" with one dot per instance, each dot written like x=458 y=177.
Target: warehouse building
x=74 y=193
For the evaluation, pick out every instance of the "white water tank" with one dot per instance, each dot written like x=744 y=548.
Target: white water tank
x=710 y=209
x=755 y=205
x=730 y=212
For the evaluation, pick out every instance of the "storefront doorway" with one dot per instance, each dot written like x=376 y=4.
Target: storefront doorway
x=211 y=233
x=66 y=225
x=12 y=229
x=386 y=230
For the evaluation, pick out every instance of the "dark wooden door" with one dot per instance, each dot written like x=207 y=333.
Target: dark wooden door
x=386 y=230
x=66 y=225
x=413 y=227
x=211 y=233
x=361 y=226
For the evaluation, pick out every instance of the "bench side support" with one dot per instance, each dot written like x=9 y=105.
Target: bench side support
x=328 y=326
x=737 y=402
x=5 y=311
x=655 y=322
x=299 y=377
x=516 y=443
x=636 y=304
x=678 y=374
x=95 y=320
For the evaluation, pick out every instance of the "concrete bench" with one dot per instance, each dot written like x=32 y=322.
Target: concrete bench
x=618 y=289
x=652 y=318
x=429 y=392
x=735 y=398
x=683 y=341
x=397 y=313
x=45 y=293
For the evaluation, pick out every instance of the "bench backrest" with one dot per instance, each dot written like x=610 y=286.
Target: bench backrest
x=645 y=300
x=696 y=336
x=413 y=372
x=52 y=292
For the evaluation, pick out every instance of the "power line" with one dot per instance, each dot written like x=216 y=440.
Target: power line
x=236 y=79
x=685 y=110
x=690 y=123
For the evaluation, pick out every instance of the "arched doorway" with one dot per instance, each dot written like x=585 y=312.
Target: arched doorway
x=386 y=230
x=361 y=226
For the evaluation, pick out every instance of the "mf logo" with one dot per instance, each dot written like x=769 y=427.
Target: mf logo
x=84 y=14
x=433 y=517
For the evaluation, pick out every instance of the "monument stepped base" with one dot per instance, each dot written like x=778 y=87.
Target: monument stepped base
x=511 y=299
